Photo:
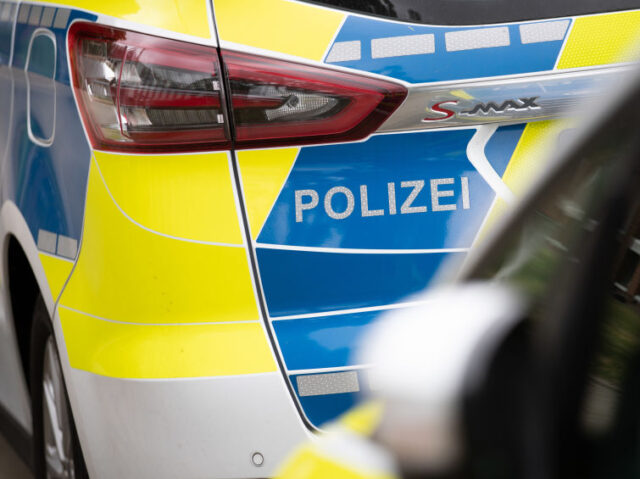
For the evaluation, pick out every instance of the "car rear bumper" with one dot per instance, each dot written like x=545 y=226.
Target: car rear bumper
x=187 y=428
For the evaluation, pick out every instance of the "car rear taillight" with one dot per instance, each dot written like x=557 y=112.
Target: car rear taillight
x=139 y=92
x=278 y=102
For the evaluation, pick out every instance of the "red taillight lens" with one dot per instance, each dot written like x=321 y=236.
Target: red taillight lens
x=143 y=93
x=139 y=92
x=277 y=102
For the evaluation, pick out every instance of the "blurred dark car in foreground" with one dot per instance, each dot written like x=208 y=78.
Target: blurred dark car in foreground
x=528 y=366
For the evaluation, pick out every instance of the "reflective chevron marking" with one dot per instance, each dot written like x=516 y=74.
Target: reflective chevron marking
x=67 y=247
x=543 y=32
x=47 y=17
x=344 y=51
x=60 y=245
x=42 y=16
x=476 y=39
x=329 y=383
x=403 y=45
x=454 y=41
x=47 y=241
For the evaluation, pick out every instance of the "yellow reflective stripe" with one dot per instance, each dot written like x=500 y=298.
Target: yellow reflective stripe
x=185 y=16
x=364 y=418
x=308 y=462
x=263 y=173
x=278 y=25
x=57 y=271
x=188 y=196
x=602 y=39
x=163 y=351
x=533 y=153
x=127 y=273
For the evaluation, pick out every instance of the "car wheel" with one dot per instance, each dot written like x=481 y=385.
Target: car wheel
x=57 y=453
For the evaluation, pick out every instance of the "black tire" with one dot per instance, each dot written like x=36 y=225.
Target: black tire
x=41 y=336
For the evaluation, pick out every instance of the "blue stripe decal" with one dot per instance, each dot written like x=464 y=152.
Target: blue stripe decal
x=374 y=223
x=515 y=57
x=324 y=342
x=304 y=251
x=299 y=282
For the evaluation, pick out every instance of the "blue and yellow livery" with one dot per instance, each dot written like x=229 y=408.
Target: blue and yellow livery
x=209 y=202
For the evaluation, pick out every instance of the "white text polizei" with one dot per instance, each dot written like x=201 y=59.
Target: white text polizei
x=306 y=200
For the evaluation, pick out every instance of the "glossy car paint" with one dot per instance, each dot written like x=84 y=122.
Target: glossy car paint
x=324 y=278
x=192 y=295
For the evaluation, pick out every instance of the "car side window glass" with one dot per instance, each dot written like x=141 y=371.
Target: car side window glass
x=551 y=227
x=611 y=408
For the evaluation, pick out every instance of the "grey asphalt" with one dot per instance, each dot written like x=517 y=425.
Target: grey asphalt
x=11 y=466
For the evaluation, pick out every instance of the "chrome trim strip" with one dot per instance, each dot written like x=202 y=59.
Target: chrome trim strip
x=508 y=100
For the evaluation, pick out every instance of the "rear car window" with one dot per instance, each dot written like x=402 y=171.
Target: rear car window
x=477 y=12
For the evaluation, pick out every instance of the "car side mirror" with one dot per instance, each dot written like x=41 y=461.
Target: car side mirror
x=426 y=359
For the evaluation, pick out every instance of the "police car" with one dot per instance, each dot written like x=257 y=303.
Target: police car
x=205 y=204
